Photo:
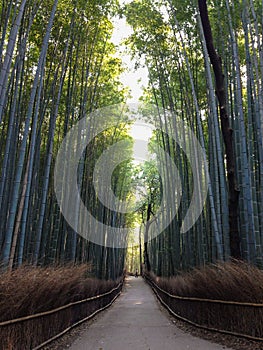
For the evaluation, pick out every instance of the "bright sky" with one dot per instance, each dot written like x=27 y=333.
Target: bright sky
x=141 y=134
x=142 y=131
x=134 y=79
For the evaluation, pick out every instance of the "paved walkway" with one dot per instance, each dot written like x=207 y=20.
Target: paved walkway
x=136 y=322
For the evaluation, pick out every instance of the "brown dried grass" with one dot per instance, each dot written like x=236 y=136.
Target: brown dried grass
x=29 y=290
x=232 y=281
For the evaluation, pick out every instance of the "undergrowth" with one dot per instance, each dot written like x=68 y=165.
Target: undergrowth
x=27 y=290
x=233 y=281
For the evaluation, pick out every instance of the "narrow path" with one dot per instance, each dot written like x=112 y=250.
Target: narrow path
x=136 y=322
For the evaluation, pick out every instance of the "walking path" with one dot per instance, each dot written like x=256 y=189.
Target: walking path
x=136 y=322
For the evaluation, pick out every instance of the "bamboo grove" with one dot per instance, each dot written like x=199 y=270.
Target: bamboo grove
x=173 y=41
x=58 y=64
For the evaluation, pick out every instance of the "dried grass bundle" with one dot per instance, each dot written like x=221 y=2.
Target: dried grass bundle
x=28 y=290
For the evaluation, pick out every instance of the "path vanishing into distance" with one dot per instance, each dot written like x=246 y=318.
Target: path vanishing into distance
x=136 y=321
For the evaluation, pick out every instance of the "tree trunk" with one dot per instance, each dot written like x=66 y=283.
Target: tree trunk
x=227 y=132
x=146 y=236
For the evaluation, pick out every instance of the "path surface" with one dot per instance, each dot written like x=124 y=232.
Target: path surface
x=136 y=322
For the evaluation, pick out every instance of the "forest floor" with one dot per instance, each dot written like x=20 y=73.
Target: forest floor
x=136 y=321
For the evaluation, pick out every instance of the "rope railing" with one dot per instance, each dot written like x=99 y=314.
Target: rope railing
x=178 y=297
x=76 y=324
x=240 y=319
x=46 y=313
x=38 y=330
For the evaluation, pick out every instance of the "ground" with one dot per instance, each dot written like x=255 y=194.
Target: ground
x=137 y=321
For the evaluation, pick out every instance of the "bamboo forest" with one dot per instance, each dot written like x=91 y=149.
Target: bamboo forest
x=68 y=114
x=205 y=68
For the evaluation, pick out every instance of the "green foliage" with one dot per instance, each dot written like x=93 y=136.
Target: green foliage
x=149 y=187
x=79 y=74
x=167 y=37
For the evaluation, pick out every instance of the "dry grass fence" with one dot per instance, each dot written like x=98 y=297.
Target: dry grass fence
x=45 y=302
x=227 y=297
